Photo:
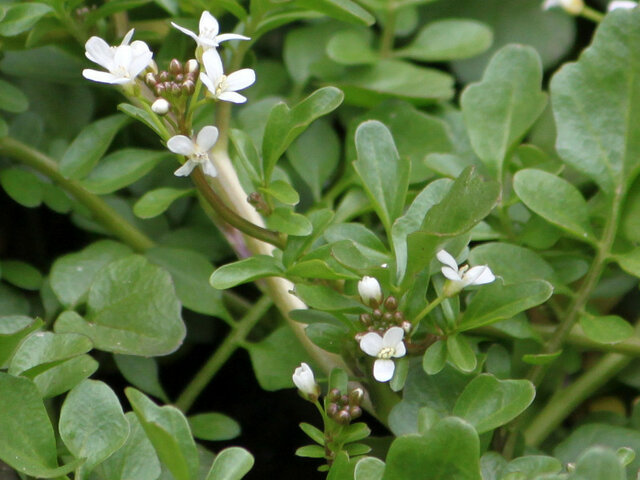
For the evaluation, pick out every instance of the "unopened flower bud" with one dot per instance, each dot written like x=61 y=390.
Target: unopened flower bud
x=175 y=67
x=398 y=317
x=344 y=399
x=343 y=417
x=332 y=409
x=355 y=396
x=370 y=291
x=387 y=317
x=150 y=79
x=355 y=411
x=163 y=76
x=305 y=381
x=376 y=314
x=334 y=395
x=179 y=78
x=365 y=319
x=391 y=304
x=406 y=326
x=192 y=66
x=189 y=86
x=160 y=106
x=160 y=89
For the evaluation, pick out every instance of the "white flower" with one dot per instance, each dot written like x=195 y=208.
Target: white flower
x=305 y=381
x=197 y=152
x=384 y=348
x=463 y=276
x=208 y=36
x=369 y=289
x=160 y=106
x=574 y=7
x=124 y=62
x=621 y=4
x=221 y=86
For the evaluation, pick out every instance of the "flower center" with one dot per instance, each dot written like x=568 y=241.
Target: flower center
x=462 y=270
x=199 y=156
x=222 y=85
x=386 y=352
x=208 y=33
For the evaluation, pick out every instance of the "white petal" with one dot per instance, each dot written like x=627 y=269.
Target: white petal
x=209 y=169
x=445 y=257
x=181 y=145
x=383 y=370
x=99 y=51
x=621 y=4
x=241 y=79
x=139 y=63
x=232 y=97
x=451 y=274
x=186 y=169
x=471 y=276
x=551 y=4
x=209 y=25
x=102 y=77
x=401 y=350
x=392 y=337
x=230 y=36
x=212 y=64
x=123 y=57
x=207 y=138
x=127 y=37
x=208 y=82
x=187 y=31
x=486 y=276
x=371 y=344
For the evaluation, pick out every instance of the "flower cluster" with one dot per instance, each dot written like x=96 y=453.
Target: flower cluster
x=344 y=407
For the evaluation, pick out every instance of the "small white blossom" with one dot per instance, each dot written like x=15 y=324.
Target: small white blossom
x=624 y=4
x=160 y=106
x=463 y=276
x=224 y=87
x=196 y=151
x=208 y=35
x=574 y=7
x=369 y=289
x=384 y=349
x=305 y=381
x=124 y=62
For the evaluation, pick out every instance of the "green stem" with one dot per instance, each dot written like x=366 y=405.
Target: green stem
x=565 y=401
x=232 y=218
x=388 y=32
x=427 y=310
x=592 y=14
x=100 y=210
x=222 y=353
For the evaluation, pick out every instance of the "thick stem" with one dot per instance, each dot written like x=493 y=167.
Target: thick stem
x=237 y=335
x=565 y=401
x=100 y=210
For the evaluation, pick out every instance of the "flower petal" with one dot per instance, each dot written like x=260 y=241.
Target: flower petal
x=208 y=82
x=181 y=145
x=485 y=275
x=208 y=25
x=102 y=77
x=230 y=36
x=240 y=79
x=551 y=4
x=99 y=51
x=187 y=31
x=186 y=169
x=401 y=350
x=621 y=4
x=139 y=63
x=127 y=38
x=123 y=57
x=213 y=64
x=451 y=274
x=445 y=257
x=207 y=138
x=392 y=337
x=371 y=344
x=232 y=97
x=383 y=370
x=209 y=169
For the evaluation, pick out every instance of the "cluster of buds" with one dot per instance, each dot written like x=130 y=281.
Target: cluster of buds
x=344 y=408
x=179 y=80
x=383 y=317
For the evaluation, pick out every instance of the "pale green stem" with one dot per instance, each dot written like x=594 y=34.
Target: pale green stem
x=592 y=14
x=234 y=340
x=426 y=310
x=388 y=31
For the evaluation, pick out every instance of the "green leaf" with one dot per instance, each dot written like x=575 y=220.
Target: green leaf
x=248 y=154
x=72 y=274
x=595 y=108
x=92 y=424
x=488 y=402
x=156 y=202
x=599 y=463
x=449 y=39
x=311 y=451
x=512 y=263
x=214 y=426
x=495 y=302
x=367 y=86
x=21 y=274
x=285 y=220
x=352 y=47
x=329 y=337
x=44 y=348
x=20 y=17
x=285 y=125
x=555 y=200
x=499 y=110
x=190 y=272
x=369 y=468
x=630 y=262
x=120 y=169
x=22 y=186
x=142 y=116
x=11 y=98
x=384 y=175
x=606 y=329
x=60 y=65
x=168 y=430
x=314 y=433
x=62 y=377
x=449 y=450
x=435 y=358
x=360 y=237
x=232 y=463
x=533 y=465
x=345 y=10
x=247 y=270
x=276 y=357
x=132 y=309
x=31 y=446
x=13 y=328
x=324 y=298
x=135 y=459
x=296 y=246
x=461 y=354
x=142 y=373
x=541 y=358
x=89 y=146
